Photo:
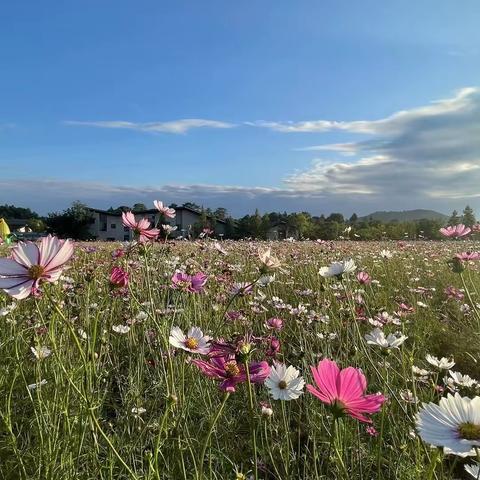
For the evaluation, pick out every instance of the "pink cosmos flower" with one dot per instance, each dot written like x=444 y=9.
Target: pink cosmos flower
x=30 y=264
x=119 y=277
x=140 y=228
x=456 y=231
x=454 y=293
x=364 y=278
x=467 y=256
x=274 y=324
x=344 y=390
x=189 y=283
x=231 y=373
x=164 y=210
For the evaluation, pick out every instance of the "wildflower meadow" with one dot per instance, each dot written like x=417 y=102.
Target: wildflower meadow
x=212 y=359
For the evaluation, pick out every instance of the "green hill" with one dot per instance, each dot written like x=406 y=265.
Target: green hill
x=405 y=216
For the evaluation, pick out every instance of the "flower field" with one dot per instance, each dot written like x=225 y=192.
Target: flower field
x=235 y=360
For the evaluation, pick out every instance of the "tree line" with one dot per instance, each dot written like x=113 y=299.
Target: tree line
x=74 y=222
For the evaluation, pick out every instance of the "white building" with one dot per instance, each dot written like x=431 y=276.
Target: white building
x=108 y=225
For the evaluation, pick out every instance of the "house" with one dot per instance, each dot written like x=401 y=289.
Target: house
x=281 y=231
x=108 y=226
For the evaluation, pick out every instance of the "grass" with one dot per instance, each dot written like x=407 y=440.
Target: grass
x=84 y=422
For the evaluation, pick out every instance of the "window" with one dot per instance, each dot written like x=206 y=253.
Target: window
x=103 y=227
x=126 y=238
x=113 y=226
x=126 y=229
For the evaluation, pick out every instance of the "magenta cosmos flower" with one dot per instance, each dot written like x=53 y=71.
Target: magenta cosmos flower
x=119 y=277
x=140 y=228
x=189 y=283
x=31 y=264
x=164 y=210
x=456 y=231
x=344 y=390
x=231 y=373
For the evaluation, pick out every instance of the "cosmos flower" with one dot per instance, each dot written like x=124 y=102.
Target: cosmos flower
x=442 y=364
x=30 y=265
x=268 y=260
x=284 y=383
x=164 y=210
x=377 y=337
x=468 y=256
x=140 y=228
x=189 y=283
x=456 y=231
x=41 y=352
x=473 y=470
x=118 y=277
x=344 y=391
x=457 y=379
x=230 y=372
x=337 y=269
x=453 y=424
x=364 y=278
x=194 y=341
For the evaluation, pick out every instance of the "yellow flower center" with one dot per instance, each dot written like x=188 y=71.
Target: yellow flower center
x=282 y=384
x=191 y=343
x=35 y=272
x=469 y=431
x=231 y=368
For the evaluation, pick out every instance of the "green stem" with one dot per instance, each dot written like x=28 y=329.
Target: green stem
x=209 y=434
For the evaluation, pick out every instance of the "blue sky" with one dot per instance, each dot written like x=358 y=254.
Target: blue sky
x=252 y=74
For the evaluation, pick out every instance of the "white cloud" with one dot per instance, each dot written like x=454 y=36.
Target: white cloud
x=427 y=152
x=174 y=126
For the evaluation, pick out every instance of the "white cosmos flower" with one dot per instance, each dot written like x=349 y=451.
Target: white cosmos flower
x=34 y=386
x=336 y=269
x=40 y=352
x=284 y=382
x=121 y=328
x=473 y=470
x=453 y=424
x=386 y=254
x=195 y=341
x=456 y=378
x=442 y=364
x=377 y=337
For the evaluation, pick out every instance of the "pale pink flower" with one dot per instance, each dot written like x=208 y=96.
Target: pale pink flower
x=467 y=256
x=274 y=323
x=456 y=231
x=344 y=390
x=364 y=278
x=140 y=228
x=31 y=265
x=164 y=210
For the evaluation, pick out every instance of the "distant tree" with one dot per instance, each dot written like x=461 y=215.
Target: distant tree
x=73 y=222
x=220 y=213
x=335 y=217
x=11 y=211
x=468 y=217
x=139 y=207
x=353 y=218
x=36 y=224
x=454 y=218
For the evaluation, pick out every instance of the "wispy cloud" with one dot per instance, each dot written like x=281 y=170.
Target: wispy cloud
x=174 y=126
x=390 y=125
